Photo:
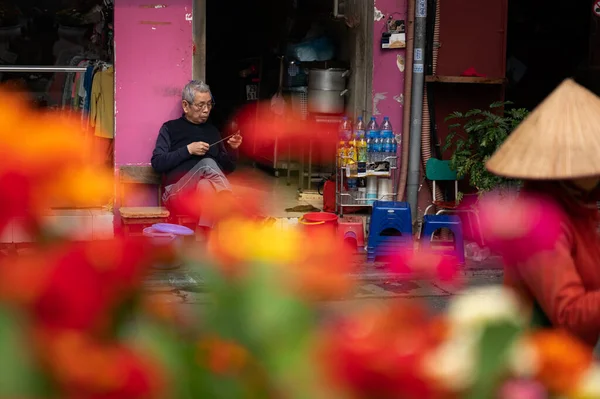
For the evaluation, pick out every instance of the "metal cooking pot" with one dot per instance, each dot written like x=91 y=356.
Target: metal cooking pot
x=328 y=79
x=326 y=101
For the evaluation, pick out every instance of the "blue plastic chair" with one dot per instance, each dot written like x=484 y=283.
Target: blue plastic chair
x=389 y=217
x=432 y=223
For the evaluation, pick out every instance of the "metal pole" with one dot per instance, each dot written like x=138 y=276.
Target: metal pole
x=199 y=38
x=40 y=69
x=416 y=114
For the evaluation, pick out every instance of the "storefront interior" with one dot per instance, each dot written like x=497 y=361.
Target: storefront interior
x=244 y=60
x=60 y=53
x=546 y=43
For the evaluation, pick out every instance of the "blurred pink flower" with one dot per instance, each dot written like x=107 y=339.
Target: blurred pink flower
x=425 y=264
x=522 y=389
x=518 y=228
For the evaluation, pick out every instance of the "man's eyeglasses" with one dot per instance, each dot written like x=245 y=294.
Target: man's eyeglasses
x=201 y=106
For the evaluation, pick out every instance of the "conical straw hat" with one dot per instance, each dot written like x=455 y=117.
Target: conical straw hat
x=559 y=140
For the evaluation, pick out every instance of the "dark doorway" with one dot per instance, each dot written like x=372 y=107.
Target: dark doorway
x=547 y=42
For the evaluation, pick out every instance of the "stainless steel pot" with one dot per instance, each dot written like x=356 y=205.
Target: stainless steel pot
x=328 y=79
x=326 y=101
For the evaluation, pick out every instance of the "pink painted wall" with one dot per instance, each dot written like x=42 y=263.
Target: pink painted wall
x=388 y=79
x=153 y=61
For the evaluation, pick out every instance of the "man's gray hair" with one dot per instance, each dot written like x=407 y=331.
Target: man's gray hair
x=190 y=90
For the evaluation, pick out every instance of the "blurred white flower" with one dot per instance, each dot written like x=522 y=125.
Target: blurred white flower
x=476 y=307
x=523 y=359
x=452 y=364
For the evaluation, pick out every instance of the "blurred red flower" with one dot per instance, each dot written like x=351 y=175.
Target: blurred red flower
x=261 y=126
x=76 y=285
x=378 y=352
x=245 y=201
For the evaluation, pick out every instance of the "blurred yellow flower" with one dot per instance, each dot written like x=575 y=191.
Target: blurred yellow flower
x=241 y=240
x=588 y=386
x=315 y=266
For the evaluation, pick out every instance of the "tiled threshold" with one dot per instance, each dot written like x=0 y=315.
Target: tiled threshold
x=85 y=225
x=96 y=224
x=76 y=224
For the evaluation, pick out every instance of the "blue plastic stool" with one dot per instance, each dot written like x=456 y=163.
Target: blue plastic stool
x=431 y=223
x=389 y=215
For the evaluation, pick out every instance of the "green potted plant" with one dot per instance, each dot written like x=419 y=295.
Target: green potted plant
x=477 y=134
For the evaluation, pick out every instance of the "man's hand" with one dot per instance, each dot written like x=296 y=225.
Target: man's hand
x=235 y=141
x=198 y=148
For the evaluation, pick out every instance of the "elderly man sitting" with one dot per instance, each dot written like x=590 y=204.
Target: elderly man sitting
x=187 y=151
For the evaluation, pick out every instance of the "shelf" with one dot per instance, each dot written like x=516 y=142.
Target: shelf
x=369 y=174
x=464 y=79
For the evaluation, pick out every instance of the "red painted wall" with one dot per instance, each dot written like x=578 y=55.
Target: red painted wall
x=473 y=34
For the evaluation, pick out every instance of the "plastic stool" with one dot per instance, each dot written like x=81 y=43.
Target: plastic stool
x=352 y=227
x=389 y=215
x=431 y=223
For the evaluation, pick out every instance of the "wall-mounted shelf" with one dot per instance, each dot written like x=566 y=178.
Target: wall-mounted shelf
x=464 y=79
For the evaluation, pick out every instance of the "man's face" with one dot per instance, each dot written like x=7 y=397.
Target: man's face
x=198 y=111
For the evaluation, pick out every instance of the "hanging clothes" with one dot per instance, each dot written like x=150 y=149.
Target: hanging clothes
x=102 y=115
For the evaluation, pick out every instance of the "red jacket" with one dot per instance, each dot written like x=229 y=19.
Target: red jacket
x=565 y=282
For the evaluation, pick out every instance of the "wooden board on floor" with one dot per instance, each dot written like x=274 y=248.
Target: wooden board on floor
x=310 y=196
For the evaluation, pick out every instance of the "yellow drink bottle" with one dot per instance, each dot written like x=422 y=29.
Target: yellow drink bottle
x=342 y=153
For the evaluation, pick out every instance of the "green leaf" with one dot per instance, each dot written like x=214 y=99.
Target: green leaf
x=495 y=345
x=484 y=132
x=19 y=375
x=175 y=355
x=454 y=115
x=472 y=112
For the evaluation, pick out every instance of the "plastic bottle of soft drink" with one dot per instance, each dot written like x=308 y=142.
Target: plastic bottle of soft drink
x=346 y=129
x=387 y=135
x=361 y=146
x=386 y=148
x=361 y=143
x=386 y=128
x=342 y=153
x=372 y=134
x=345 y=132
x=377 y=149
x=359 y=130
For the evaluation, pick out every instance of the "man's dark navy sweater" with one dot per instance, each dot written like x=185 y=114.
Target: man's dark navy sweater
x=171 y=156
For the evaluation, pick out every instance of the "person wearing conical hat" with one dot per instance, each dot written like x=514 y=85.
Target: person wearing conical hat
x=556 y=152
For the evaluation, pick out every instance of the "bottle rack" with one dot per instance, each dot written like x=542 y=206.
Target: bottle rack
x=345 y=199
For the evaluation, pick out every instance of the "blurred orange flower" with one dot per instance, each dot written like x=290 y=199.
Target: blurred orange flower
x=562 y=359
x=44 y=161
x=222 y=356
x=88 y=368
